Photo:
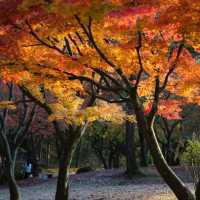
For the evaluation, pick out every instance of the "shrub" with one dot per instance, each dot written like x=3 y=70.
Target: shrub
x=191 y=158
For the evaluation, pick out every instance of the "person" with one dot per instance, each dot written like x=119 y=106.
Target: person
x=28 y=169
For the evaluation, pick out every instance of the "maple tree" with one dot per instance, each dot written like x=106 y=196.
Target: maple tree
x=113 y=50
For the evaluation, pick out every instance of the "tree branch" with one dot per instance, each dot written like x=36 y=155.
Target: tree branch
x=88 y=32
x=36 y=36
x=138 y=47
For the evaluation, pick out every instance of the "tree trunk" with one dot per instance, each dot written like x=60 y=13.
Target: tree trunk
x=110 y=160
x=10 y=160
x=146 y=125
x=116 y=161
x=143 y=150
x=177 y=186
x=47 y=154
x=102 y=159
x=131 y=163
x=35 y=167
x=197 y=190
x=63 y=176
x=68 y=142
x=13 y=188
x=78 y=153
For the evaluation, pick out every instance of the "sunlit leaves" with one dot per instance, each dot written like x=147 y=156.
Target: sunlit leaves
x=63 y=48
x=7 y=104
x=169 y=109
x=101 y=111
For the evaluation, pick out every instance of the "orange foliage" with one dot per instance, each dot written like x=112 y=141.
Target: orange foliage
x=43 y=41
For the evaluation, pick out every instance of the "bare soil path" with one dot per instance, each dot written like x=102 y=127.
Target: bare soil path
x=102 y=185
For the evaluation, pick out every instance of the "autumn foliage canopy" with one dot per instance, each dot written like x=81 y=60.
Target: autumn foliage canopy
x=74 y=48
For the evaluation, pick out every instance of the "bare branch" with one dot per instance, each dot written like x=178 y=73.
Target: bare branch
x=79 y=37
x=67 y=47
x=87 y=79
x=75 y=44
x=159 y=89
x=139 y=61
x=37 y=37
x=172 y=68
x=111 y=101
x=156 y=99
x=32 y=45
x=102 y=73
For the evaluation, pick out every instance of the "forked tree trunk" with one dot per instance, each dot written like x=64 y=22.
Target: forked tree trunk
x=146 y=125
x=173 y=181
x=66 y=151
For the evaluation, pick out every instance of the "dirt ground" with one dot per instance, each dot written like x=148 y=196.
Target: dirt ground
x=103 y=185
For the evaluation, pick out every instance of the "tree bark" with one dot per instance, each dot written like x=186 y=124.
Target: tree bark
x=173 y=181
x=131 y=162
x=10 y=159
x=77 y=154
x=143 y=150
x=13 y=188
x=146 y=125
x=10 y=174
x=63 y=175
x=169 y=150
x=68 y=142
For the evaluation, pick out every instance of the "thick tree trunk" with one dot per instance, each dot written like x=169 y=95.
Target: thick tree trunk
x=10 y=174
x=13 y=188
x=144 y=151
x=10 y=160
x=63 y=176
x=131 y=162
x=68 y=142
